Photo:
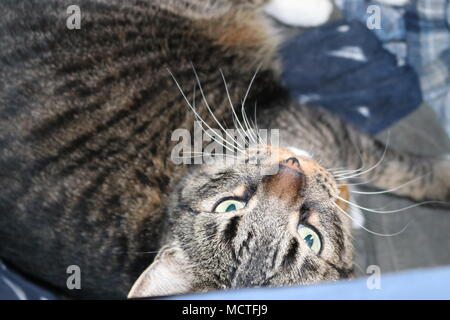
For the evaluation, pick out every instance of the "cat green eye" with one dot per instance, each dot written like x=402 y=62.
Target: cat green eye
x=229 y=205
x=311 y=238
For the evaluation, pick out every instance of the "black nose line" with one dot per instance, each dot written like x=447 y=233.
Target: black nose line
x=294 y=160
x=292 y=163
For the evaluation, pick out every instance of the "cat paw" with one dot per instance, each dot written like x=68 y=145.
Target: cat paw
x=300 y=13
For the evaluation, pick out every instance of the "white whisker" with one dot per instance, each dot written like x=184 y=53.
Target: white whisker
x=368 y=230
x=393 y=189
x=199 y=117
x=373 y=167
x=391 y=211
x=358 y=183
x=231 y=104
x=244 y=116
x=209 y=109
x=255 y=124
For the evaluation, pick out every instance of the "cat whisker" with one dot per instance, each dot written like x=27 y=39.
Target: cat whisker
x=248 y=126
x=345 y=174
x=212 y=155
x=393 y=189
x=334 y=169
x=350 y=174
x=147 y=252
x=239 y=131
x=194 y=95
x=223 y=145
x=373 y=167
x=235 y=117
x=209 y=109
x=363 y=165
x=340 y=172
x=254 y=136
x=367 y=229
x=359 y=267
x=244 y=115
x=391 y=211
x=199 y=117
x=357 y=183
x=255 y=124
x=196 y=156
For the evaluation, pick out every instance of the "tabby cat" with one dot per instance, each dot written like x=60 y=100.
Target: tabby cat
x=86 y=174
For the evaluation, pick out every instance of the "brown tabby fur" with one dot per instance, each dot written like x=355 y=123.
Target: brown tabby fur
x=87 y=116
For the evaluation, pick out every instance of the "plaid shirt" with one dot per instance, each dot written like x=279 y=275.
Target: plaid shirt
x=418 y=34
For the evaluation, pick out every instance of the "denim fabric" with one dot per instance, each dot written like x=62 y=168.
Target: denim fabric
x=14 y=287
x=418 y=34
x=344 y=68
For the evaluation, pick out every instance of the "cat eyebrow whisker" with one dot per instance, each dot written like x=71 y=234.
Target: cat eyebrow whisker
x=199 y=117
x=255 y=124
x=368 y=230
x=244 y=115
x=147 y=252
x=235 y=117
x=201 y=154
x=260 y=139
x=209 y=109
x=248 y=126
x=223 y=145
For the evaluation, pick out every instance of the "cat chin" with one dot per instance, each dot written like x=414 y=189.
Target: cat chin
x=300 y=13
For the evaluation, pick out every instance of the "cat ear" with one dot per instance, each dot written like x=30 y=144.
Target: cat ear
x=167 y=275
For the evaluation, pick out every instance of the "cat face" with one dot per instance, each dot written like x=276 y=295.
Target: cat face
x=247 y=223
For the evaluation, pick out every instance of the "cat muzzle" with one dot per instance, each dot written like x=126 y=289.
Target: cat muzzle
x=288 y=184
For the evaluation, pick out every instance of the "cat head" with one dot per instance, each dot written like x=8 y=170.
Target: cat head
x=245 y=223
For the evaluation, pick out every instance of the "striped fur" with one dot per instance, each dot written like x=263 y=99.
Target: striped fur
x=86 y=119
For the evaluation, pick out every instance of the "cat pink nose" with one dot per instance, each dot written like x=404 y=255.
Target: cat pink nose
x=286 y=185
